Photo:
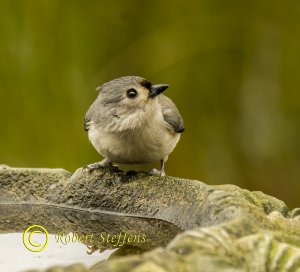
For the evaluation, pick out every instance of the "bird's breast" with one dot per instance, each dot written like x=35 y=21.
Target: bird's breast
x=151 y=142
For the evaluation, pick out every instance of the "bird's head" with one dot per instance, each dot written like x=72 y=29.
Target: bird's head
x=129 y=102
x=130 y=92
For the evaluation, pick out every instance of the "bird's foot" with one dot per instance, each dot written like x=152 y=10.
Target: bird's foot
x=155 y=172
x=97 y=165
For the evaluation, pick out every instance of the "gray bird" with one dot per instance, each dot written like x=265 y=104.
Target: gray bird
x=132 y=122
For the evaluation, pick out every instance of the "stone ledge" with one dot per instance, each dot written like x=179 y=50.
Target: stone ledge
x=226 y=227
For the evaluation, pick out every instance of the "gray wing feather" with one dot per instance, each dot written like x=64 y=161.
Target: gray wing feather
x=86 y=123
x=90 y=116
x=171 y=114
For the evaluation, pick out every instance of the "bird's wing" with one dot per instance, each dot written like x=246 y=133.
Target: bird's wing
x=90 y=116
x=86 y=123
x=171 y=114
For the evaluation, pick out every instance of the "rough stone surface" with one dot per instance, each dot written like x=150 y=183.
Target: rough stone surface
x=57 y=220
x=226 y=228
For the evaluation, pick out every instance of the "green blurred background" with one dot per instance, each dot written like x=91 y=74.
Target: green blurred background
x=233 y=67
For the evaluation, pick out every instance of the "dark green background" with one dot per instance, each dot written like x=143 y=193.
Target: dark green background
x=233 y=67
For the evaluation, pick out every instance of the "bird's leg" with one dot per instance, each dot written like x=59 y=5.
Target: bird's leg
x=160 y=172
x=91 y=167
x=162 y=168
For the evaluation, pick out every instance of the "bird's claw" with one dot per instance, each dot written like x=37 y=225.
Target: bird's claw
x=91 y=167
x=155 y=172
x=98 y=165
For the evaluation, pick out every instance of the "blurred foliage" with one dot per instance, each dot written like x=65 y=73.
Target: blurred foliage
x=233 y=67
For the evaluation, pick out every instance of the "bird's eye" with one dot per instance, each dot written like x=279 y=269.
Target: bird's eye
x=132 y=93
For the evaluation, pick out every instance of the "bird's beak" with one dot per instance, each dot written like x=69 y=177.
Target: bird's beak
x=157 y=89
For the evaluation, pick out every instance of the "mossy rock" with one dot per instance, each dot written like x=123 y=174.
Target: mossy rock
x=226 y=228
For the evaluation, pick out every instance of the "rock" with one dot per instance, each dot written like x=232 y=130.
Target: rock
x=30 y=185
x=226 y=228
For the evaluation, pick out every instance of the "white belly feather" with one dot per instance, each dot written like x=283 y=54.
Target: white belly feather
x=152 y=142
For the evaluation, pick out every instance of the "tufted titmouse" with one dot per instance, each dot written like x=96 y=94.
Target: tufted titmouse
x=132 y=122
